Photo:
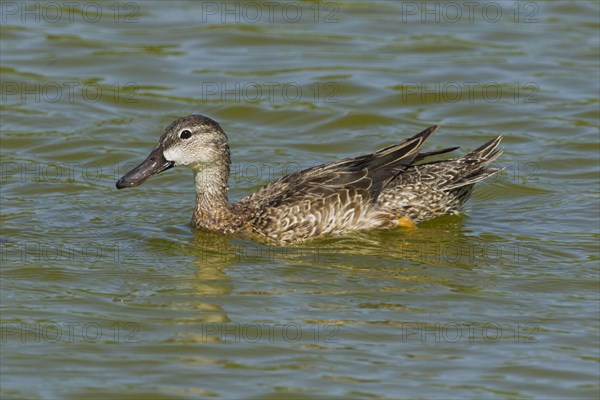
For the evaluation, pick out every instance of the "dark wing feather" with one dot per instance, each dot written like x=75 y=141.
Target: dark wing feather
x=368 y=174
x=422 y=156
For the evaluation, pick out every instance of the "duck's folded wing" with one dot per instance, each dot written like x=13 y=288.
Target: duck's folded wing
x=368 y=174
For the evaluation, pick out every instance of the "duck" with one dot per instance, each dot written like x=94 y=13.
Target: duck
x=394 y=187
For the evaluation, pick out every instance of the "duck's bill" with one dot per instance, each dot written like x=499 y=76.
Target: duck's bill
x=154 y=164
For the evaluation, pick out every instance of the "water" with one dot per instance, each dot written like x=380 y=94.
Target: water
x=108 y=293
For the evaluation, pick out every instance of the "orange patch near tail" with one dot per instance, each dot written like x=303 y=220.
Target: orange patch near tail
x=406 y=222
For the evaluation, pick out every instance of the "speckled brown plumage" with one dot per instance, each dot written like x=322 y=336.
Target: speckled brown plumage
x=365 y=192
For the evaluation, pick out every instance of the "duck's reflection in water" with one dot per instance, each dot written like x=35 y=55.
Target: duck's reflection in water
x=444 y=243
x=386 y=261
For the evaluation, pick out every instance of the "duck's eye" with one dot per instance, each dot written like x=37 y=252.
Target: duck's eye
x=185 y=134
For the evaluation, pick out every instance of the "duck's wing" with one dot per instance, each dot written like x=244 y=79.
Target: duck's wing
x=367 y=174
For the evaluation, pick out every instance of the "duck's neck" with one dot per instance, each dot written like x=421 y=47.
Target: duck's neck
x=213 y=211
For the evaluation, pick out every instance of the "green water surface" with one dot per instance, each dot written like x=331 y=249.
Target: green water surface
x=112 y=294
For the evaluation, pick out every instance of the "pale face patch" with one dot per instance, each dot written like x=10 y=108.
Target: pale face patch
x=176 y=154
x=188 y=153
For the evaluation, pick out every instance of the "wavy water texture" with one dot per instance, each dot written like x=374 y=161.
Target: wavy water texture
x=109 y=293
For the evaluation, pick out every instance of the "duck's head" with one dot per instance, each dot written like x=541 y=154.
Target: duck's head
x=195 y=141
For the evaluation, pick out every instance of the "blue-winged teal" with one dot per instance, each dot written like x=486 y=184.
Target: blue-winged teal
x=385 y=189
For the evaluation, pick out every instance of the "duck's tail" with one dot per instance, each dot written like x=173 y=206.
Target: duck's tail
x=471 y=168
